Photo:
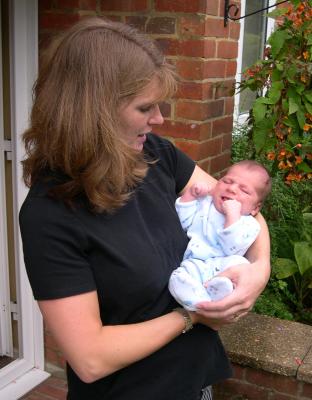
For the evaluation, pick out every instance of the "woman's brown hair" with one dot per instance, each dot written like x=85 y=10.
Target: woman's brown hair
x=85 y=74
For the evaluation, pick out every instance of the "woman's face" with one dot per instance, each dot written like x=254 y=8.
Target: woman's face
x=137 y=116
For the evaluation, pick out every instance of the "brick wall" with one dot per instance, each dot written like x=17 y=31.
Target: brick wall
x=191 y=33
x=252 y=384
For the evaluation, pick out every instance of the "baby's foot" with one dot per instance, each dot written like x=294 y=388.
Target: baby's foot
x=219 y=287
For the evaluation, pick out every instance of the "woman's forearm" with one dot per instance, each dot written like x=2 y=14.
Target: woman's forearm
x=259 y=252
x=95 y=351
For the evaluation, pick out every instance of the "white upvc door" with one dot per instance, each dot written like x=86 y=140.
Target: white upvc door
x=6 y=344
x=27 y=368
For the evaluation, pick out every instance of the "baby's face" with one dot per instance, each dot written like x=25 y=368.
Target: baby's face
x=239 y=184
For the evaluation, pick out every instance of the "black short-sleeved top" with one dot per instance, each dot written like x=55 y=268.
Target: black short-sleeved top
x=127 y=257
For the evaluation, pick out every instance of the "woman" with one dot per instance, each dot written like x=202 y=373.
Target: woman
x=99 y=227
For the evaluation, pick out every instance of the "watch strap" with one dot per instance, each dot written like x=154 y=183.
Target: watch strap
x=186 y=317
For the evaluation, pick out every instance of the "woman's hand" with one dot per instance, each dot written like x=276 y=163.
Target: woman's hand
x=249 y=281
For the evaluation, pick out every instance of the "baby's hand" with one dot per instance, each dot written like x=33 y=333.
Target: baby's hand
x=200 y=189
x=232 y=208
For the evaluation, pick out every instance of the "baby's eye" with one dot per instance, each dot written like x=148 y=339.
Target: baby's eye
x=245 y=191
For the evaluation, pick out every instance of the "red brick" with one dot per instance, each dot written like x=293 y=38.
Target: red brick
x=214 y=69
x=199 y=111
x=281 y=396
x=214 y=27
x=225 y=88
x=161 y=25
x=54 y=392
x=124 y=5
x=199 y=70
x=62 y=4
x=175 y=129
x=181 y=6
x=212 y=8
x=306 y=390
x=57 y=21
x=139 y=22
x=189 y=48
x=204 y=164
x=283 y=384
x=192 y=25
x=238 y=371
x=45 y=4
x=227 y=49
x=222 y=125
x=228 y=106
x=88 y=4
x=200 y=150
x=227 y=142
x=230 y=69
x=195 y=90
x=190 y=69
x=220 y=163
x=165 y=109
x=234 y=30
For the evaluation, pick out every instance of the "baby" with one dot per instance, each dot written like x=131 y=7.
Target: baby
x=221 y=227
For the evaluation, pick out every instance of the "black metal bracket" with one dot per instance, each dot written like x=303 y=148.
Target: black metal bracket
x=227 y=8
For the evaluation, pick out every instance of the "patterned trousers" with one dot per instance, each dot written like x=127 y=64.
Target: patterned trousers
x=207 y=393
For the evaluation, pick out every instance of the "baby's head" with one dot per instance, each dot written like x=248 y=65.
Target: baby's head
x=247 y=182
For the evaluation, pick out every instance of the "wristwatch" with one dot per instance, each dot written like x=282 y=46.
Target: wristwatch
x=187 y=318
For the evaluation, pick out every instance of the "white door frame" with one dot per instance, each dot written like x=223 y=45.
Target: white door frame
x=6 y=343
x=27 y=371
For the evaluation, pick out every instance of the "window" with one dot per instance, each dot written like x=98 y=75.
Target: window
x=255 y=30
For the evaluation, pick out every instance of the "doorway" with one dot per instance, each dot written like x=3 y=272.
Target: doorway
x=21 y=333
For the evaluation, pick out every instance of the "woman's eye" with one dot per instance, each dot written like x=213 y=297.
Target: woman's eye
x=145 y=109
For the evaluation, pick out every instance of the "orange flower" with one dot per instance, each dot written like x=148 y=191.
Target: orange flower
x=307 y=127
x=271 y=155
x=305 y=55
x=282 y=165
x=298 y=160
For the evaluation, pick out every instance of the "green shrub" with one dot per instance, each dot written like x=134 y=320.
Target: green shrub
x=284 y=212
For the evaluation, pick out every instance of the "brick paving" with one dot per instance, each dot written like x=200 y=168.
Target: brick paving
x=51 y=389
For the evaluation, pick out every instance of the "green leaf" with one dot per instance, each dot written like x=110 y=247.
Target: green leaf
x=277 y=12
x=304 y=167
x=307 y=217
x=277 y=40
x=303 y=255
x=259 y=138
x=293 y=106
x=291 y=73
x=284 y=268
x=308 y=106
x=300 y=118
x=258 y=110
x=308 y=95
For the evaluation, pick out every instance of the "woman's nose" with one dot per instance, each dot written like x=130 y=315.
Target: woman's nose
x=156 y=118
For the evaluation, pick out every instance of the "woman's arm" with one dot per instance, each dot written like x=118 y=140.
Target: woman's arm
x=199 y=175
x=95 y=351
x=249 y=280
